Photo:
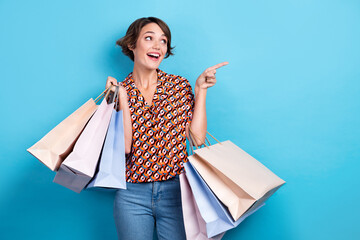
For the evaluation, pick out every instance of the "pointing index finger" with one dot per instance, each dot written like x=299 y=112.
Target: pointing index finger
x=219 y=65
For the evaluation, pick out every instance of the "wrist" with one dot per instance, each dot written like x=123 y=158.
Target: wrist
x=123 y=96
x=199 y=90
x=123 y=104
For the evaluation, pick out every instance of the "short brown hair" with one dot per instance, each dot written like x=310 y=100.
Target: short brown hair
x=133 y=32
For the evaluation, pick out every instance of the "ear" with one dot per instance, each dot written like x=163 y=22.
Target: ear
x=129 y=46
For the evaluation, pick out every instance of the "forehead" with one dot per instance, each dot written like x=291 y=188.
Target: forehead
x=152 y=28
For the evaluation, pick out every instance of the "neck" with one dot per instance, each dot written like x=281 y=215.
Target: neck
x=144 y=77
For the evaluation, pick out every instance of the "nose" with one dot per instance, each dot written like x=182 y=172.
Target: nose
x=156 y=45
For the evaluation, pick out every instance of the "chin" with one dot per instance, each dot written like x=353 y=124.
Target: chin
x=153 y=66
x=150 y=65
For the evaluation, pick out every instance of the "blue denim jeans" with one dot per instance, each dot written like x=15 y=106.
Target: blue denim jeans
x=143 y=207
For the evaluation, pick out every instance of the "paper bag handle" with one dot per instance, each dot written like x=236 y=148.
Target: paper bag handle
x=117 y=99
x=106 y=93
x=102 y=94
x=193 y=143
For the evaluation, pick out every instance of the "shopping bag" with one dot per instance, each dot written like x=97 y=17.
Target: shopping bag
x=78 y=168
x=111 y=167
x=56 y=145
x=239 y=181
x=195 y=226
x=216 y=216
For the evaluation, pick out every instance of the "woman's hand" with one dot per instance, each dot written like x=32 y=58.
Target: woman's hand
x=207 y=78
x=111 y=81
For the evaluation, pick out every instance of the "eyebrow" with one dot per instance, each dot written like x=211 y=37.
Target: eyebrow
x=154 y=33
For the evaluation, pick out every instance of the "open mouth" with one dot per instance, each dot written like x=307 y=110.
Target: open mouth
x=153 y=56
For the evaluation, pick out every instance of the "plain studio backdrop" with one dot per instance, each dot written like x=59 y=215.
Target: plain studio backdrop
x=289 y=97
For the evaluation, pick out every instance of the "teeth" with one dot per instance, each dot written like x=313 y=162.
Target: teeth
x=154 y=55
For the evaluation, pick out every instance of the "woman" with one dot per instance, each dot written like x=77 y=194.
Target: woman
x=158 y=110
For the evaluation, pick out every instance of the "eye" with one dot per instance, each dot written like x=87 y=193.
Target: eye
x=164 y=41
x=148 y=37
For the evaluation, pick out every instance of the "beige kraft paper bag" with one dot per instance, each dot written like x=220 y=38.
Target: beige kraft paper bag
x=56 y=145
x=239 y=181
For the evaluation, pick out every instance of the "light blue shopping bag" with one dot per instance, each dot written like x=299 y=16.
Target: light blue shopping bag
x=215 y=214
x=111 y=168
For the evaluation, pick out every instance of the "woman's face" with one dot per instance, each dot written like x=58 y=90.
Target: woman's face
x=151 y=47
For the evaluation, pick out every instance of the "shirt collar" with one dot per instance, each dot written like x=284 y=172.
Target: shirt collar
x=159 y=89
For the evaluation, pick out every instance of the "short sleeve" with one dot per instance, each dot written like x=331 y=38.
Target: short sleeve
x=187 y=100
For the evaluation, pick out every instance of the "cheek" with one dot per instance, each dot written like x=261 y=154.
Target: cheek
x=164 y=50
x=141 y=48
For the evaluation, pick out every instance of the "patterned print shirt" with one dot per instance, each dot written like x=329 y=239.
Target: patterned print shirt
x=159 y=140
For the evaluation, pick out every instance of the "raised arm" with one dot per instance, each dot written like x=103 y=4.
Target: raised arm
x=198 y=124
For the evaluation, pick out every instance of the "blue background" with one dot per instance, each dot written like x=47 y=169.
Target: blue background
x=289 y=97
